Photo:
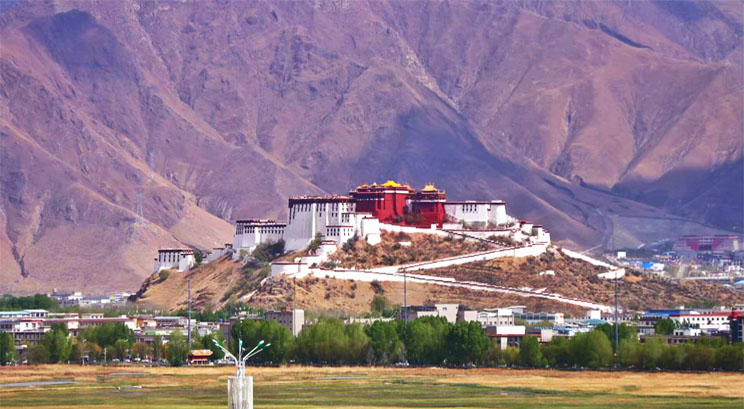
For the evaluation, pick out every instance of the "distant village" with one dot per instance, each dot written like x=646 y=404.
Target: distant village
x=505 y=327
x=717 y=259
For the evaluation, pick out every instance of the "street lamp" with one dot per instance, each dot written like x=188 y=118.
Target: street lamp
x=240 y=387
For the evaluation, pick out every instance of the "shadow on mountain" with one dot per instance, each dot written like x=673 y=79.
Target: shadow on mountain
x=718 y=192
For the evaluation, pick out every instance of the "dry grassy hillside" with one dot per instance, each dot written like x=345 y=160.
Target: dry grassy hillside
x=215 y=284
x=354 y=297
x=212 y=285
x=578 y=279
x=390 y=251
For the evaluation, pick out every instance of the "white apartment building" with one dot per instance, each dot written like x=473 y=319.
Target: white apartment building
x=498 y=317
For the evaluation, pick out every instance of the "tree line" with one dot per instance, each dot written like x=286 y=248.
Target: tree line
x=424 y=341
x=434 y=341
x=31 y=302
x=110 y=341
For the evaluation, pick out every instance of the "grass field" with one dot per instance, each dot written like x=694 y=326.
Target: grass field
x=302 y=387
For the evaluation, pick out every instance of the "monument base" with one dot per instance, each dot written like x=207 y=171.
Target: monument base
x=240 y=392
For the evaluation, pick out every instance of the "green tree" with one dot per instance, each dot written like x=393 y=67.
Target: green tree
x=664 y=326
x=37 y=301
x=76 y=352
x=271 y=332
x=385 y=342
x=511 y=355
x=425 y=339
x=7 y=348
x=141 y=350
x=37 y=354
x=177 y=348
x=626 y=352
x=556 y=352
x=315 y=243
x=379 y=305
x=467 y=343
x=157 y=347
x=329 y=341
x=623 y=332
x=198 y=256
x=92 y=350
x=496 y=356
x=357 y=346
x=699 y=357
x=590 y=349
x=648 y=353
x=208 y=343
x=107 y=334
x=57 y=343
x=164 y=274
x=529 y=352
x=121 y=348
x=730 y=357
x=672 y=357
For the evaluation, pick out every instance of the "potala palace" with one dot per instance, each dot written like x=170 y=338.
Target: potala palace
x=368 y=209
x=364 y=213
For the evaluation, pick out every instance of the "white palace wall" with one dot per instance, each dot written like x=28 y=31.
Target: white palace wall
x=478 y=212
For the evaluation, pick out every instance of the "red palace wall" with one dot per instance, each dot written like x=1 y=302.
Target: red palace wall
x=386 y=206
x=391 y=205
x=426 y=213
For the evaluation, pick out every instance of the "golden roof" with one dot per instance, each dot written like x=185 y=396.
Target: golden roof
x=430 y=188
x=391 y=183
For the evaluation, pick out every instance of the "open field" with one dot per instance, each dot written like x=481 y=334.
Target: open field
x=303 y=387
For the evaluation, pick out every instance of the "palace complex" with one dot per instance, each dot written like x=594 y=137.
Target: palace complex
x=364 y=213
x=368 y=209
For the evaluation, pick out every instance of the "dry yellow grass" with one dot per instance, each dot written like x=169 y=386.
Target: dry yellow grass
x=730 y=385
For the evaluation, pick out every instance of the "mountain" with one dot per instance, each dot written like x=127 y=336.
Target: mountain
x=126 y=126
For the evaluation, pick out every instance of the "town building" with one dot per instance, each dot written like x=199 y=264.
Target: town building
x=736 y=323
x=447 y=311
x=507 y=335
x=719 y=243
x=24 y=314
x=292 y=319
x=555 y=318
x=199 y=356
x=66 y=299
x=498 y=317
x=175 y=259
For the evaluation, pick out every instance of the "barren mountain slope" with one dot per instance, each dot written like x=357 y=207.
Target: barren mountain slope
x=197 y=113
x=215 y=284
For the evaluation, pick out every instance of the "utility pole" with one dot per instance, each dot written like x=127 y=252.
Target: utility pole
x=616 y=323
x=405 y=299
x=189 y=314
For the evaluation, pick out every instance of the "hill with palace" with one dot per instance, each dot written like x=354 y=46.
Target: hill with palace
x=126 y=127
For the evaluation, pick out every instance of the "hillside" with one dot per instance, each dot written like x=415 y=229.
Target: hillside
x=215 y=284
x=577 y=279
x=126 y=126
x=212 y=285
x=403 y=248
